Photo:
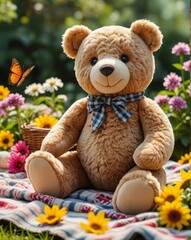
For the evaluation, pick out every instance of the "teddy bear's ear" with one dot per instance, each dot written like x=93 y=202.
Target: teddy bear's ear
x=73 y=38
x=149 y=33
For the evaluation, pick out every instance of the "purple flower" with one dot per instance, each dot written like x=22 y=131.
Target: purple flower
x=172 y=81
x=4 y=103
x=177 y=103
x=15 y=100
x=181 y=48
x=161 y=99
x=187 y=66
x=189 y=89
x=16 y=163
x=21 y=147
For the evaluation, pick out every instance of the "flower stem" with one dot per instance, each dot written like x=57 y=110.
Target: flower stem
x=19 y=117
x=182 y=70
x=53 y=96
x=34 y=100
x=181 y=62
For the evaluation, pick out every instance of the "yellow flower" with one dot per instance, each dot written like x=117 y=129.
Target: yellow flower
x=6 y=139
x=174 y=215
x=186 y=179
x=97 y=224
x=4 y=92
x=169 y=194
x=45 y=121
x=185 y=159
x=52 y=215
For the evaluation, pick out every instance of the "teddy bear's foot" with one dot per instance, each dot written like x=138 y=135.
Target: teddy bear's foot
x=50 y=176
x=136 y=192
x=44 y=173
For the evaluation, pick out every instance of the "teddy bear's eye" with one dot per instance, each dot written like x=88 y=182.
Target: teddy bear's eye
x=93 y=61
x=124 y=58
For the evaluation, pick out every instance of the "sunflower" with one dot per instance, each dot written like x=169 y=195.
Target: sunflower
x=6 y=139
x=97 y=224
x=169 y=194
x=185 y=159
x=52 y=215
x=4 y=92
x=45 y=121
x=174 y=215
x=186 y=179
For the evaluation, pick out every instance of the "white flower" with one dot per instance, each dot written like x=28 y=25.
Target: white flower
x=34 y=89
x=62 y=97
x=52 y=84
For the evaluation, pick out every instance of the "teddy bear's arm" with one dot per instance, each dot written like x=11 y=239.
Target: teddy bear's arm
x=67 y=131
x=158 y=143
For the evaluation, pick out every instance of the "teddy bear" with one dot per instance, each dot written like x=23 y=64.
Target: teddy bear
x=115 y=139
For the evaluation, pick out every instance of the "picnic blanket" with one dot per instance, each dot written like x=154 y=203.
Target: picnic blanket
x=20 y=204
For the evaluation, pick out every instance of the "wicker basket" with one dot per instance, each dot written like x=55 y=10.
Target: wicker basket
x=33 y=136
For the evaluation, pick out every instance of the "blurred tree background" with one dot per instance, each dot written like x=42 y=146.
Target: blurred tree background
x=31 y=30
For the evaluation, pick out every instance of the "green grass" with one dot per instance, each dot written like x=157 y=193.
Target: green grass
x=8 y=231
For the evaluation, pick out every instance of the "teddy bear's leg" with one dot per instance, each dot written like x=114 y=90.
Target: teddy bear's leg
x=136 y=191
x=55 y=177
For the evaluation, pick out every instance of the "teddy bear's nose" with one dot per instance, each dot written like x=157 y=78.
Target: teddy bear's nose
x=106 y=70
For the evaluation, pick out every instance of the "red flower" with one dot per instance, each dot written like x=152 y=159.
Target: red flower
x=21 y=147
x=16 y=163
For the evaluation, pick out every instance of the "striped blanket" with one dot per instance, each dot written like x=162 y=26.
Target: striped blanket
x=20 y=204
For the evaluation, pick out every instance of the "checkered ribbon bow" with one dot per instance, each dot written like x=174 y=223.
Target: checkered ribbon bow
x=96 y=104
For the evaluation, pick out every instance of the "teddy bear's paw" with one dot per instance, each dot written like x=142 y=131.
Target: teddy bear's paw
x=44 y=172
x=136 y=195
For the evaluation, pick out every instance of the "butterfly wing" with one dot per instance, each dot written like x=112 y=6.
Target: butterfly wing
x=25 y=74
x=16 y=72
x=17 y=76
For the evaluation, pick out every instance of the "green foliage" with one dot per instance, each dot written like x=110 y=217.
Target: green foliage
x=7 y=11
x=180 y=117
x=35 y=36
x=9 y=231
x=186 y=196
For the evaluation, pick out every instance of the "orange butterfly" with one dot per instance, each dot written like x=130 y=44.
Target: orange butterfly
x=17 y=75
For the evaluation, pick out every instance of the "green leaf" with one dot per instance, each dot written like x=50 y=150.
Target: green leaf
x=187 y=82
x=41 y=100
x=166 y=92
x=177 y=66
x=178 y=126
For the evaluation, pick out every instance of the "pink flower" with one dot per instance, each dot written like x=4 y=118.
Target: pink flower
x=161 y=99
x=177 y=103
x=181 y=48
x=2 y=112
x=172 y=81
x=15 y=100
x=47 y=111
x=187 y=66
x=16 y=163
x=21 y=148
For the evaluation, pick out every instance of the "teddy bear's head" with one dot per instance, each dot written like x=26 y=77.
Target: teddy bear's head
x=113 y=59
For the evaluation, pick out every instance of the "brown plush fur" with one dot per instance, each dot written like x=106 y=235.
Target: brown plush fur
x=124 y=157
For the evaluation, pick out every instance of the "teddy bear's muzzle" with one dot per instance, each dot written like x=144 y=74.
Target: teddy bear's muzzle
x=109 y=75
x=106 y=70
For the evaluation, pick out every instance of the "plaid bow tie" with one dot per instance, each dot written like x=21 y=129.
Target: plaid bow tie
x=96 y=104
